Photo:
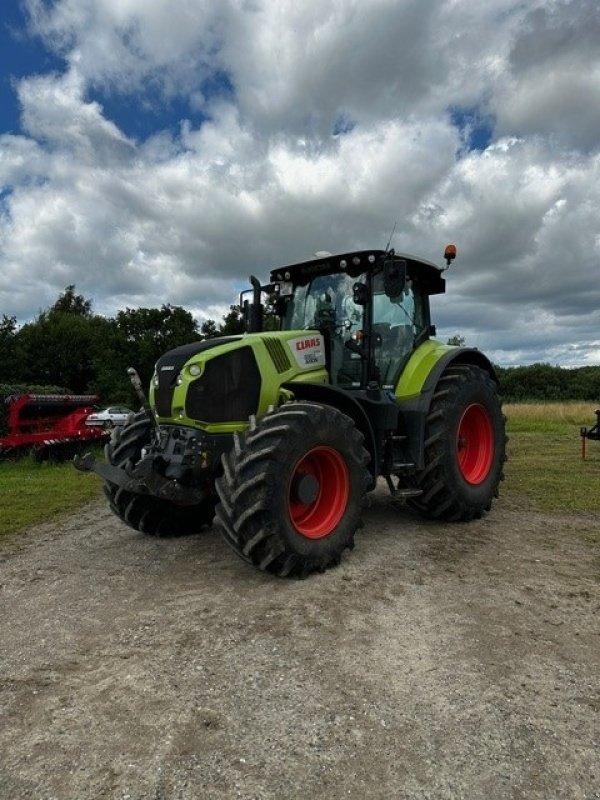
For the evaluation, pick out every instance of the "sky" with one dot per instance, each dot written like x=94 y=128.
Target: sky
x=161 y=151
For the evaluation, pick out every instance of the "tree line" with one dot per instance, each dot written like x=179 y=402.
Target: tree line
x=546 y=383
x=70 y=348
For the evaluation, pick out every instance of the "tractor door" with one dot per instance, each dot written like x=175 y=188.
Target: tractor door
x=397 y=323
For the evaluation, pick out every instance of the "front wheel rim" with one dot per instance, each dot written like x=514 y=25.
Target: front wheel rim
x=317 y=517
x=475 y=444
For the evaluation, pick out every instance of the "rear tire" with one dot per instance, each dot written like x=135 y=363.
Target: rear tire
x=293 y=489
x=465 y=446
x=145 y=513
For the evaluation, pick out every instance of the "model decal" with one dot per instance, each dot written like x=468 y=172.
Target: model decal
x=308 y=351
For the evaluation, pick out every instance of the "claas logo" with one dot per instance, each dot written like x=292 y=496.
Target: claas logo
x=306 y=343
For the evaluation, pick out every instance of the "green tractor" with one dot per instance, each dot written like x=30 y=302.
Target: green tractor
x=281 y=433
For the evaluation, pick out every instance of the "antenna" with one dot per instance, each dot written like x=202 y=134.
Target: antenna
x=387 y=247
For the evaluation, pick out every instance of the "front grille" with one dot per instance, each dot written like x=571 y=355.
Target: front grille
x=227 y=391
x=169 y=366
x=278 y=354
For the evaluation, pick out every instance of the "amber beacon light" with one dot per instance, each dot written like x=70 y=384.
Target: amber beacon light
x=450 y=253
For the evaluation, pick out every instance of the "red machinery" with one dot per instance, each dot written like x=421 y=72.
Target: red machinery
x=51 y=426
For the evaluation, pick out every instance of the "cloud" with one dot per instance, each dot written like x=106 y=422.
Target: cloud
x=552 y=85
x=124 y=45
x=313 y=126
x=55 y=113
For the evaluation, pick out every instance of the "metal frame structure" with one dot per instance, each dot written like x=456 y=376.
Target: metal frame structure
x=593 y=433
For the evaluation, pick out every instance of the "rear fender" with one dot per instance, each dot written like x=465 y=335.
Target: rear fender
x=417 y=384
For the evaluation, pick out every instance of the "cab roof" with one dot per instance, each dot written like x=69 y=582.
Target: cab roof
x=358 y=261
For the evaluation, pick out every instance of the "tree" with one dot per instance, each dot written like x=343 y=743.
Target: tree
x=208 y=329
x=70 y=303
x=147 y=333
x=65 y=346
x=56 y=349
x=233 y=323
x=544 y=382
x=8 y=349
x=110 y=359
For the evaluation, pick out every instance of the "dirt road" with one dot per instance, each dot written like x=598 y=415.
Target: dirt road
x=436 y=662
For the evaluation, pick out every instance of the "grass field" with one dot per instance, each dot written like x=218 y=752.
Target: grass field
x=544 y=451
x=544 y=470
x=31 y=493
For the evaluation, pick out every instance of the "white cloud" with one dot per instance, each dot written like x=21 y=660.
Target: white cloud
x=185 y=215
x=55 y=113
x=124 y=44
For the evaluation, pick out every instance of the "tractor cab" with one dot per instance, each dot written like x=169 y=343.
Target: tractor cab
x=372 y=308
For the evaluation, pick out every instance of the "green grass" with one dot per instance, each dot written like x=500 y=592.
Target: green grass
x=544 y=471
x=32 y=493
x=544 y=465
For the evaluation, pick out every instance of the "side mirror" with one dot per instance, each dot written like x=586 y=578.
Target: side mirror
x=394 y=277
x=360 y=294
x=279 y=306
x=279 y=294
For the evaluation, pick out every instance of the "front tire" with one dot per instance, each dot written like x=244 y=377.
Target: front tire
x=145 y=513
x=465 y=446
x=293 y=489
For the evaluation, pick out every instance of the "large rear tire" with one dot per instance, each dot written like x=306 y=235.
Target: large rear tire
x=293 y=489
x=145 y=513
x=465 y=446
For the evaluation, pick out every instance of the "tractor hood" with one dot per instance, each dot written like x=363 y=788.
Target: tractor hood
x=217 y=384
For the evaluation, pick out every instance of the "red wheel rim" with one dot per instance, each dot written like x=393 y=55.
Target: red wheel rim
x=475 y=444
x=327 y=473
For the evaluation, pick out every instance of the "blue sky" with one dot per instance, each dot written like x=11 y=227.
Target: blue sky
x=160 y=152
x=24 y=54
x=20 y=55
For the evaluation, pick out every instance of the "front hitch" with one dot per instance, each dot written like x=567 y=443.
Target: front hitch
x=142 y=479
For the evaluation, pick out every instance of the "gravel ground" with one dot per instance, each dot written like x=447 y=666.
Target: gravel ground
x=437 y=661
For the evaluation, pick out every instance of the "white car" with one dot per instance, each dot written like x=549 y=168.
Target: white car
x=109 y=417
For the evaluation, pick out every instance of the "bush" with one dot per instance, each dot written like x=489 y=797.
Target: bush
x=545 y=383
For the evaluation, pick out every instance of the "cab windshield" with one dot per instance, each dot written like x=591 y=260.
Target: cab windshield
x=326 y=303
x=326 y=300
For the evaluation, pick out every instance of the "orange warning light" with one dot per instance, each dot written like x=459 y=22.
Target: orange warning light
x=450 y=253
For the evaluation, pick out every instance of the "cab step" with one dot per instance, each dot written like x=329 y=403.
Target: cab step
x=403 y=492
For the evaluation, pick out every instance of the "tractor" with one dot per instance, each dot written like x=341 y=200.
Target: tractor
x=281 y=433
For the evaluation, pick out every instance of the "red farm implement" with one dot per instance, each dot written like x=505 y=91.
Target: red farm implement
x=51 y=427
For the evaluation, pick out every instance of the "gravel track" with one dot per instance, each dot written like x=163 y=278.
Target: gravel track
x=438 y=661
